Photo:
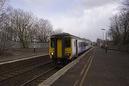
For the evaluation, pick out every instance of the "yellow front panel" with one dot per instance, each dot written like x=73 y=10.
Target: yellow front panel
x=59 y=48
x=68 y=50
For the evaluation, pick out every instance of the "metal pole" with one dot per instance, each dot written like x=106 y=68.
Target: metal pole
x=34 y=44
x=103 y=37
x=103 y=33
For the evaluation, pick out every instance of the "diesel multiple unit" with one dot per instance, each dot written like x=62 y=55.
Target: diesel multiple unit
x=64 y=47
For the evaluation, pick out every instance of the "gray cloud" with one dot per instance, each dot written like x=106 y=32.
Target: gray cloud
x=89 y=23
x=85 y=18
x=96 y=3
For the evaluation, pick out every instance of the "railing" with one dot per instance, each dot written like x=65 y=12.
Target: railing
x=31 y=45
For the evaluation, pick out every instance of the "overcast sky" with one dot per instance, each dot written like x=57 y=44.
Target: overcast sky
x=83 y=18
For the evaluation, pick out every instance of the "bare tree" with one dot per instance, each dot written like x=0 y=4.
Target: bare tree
x=125 y=4
x=44 y=30
x=119 y=28
x=114 y=29
x=124 y=18
x=17 y=25
x=21 y=23
x=34 y=32
x=5 y=29
x=2 y=3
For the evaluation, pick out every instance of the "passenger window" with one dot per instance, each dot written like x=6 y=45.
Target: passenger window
x=52 y=42
x=67 y=42
x=86 y=44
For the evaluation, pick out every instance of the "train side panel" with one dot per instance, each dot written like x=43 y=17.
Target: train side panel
x=88 y=43
x=74 y=48
x=81 y=46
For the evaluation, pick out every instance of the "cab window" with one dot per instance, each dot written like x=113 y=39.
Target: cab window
x=67 y=42
x=52 y=42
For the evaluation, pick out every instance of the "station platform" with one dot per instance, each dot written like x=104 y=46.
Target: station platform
x=21 y=54
x=97 y=68
x=20 y=58
x=76 y=75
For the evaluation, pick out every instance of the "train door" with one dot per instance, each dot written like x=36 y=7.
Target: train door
x=59 y=47
x=76 y=48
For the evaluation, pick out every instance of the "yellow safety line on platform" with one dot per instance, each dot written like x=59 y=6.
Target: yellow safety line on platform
x=84 y=68
x=83 y=71
x=83 y=78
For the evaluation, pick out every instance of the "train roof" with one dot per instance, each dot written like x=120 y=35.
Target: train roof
x=61 y=34
x=64 y=35
x=67 y=35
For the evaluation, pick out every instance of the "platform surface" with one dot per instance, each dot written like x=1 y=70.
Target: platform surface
x=22 y=54
x=98 y=69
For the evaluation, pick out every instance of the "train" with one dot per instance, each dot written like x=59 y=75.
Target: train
x=64 y=47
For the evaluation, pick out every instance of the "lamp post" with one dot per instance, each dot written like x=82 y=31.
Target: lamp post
x=103 y=33
x=103 y=42
x=34 y=45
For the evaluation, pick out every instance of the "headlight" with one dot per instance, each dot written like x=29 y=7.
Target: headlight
x=52 y=53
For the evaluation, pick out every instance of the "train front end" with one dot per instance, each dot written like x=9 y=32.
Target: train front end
x=60 y=50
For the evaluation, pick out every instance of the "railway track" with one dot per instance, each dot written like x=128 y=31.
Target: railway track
x=14 y=68
x=30 y=76
x=11 y=74
x=34 y=81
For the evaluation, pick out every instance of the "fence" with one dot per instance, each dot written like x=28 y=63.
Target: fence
x=31 y=45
